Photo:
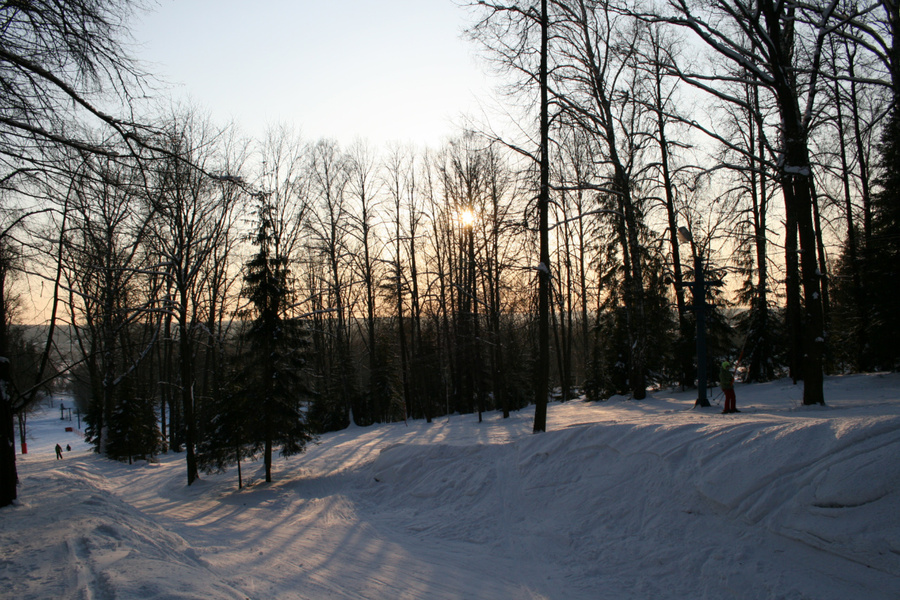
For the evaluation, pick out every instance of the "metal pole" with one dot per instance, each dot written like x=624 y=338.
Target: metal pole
x=699 y=290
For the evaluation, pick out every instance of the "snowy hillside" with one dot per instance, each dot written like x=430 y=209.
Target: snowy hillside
x=622 y=499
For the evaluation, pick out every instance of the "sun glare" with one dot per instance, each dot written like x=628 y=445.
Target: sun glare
x=467 y=217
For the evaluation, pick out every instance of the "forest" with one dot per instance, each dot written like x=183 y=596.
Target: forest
x=230 y=298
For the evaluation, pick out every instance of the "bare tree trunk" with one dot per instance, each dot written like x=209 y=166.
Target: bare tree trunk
x=9 y=477
x=168 y=378
x=361 y=172
x=797 y=176
x=861 y=156
x=415 y=392
x=401 y=329
x=564 y=348
x=759 y=357
x=822 y=274
x=186 y=365
x=542 y=372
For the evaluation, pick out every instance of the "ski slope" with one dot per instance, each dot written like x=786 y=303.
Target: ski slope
x=618 y=500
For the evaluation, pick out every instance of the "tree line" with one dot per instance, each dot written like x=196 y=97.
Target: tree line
x=229 y=297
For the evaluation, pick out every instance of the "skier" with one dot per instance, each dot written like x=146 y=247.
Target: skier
x=58 y=452
x=726 y=382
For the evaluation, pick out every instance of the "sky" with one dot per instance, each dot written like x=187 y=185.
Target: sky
x=380 y=70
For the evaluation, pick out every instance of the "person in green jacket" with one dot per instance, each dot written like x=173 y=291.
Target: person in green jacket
x=726 y=382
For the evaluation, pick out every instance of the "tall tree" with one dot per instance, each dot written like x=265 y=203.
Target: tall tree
x=542 y=378
x=104 y=274
x=512 y=32
x=464 y=177
x=882 y=39
x=496 y=224
x=416 y=225
x=273 y=368
x=362 y=188
x=399 y=174
x=655 y=49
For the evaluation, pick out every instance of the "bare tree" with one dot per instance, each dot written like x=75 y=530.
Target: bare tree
x=104 y=274
x=512 y=32
x=497 y=225
x=399 y=174
x=56 y=62
x=594 y=91
x=768 y=40
x=220 y=273
x=463 y=178
x=543 y=367
x=655 y=47
x=416 y=230
x=285 y=179
x=363 y=188
x=192 y=215
x=327 y=227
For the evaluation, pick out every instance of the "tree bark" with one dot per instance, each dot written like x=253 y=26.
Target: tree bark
x=542 y=372
x=9 y=478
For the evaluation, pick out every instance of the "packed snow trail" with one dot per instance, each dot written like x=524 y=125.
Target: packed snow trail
x=619 y=500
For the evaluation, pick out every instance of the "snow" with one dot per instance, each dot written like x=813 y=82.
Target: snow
x=795 y=170
x=619 y=499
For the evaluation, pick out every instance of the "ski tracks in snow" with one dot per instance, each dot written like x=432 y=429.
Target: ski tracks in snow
x=620 y=500
x=92 y=583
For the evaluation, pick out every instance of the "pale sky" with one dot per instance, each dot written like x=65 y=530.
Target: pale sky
x=381 y=70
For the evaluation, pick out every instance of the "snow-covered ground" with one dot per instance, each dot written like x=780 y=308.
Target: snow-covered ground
x=622 y=499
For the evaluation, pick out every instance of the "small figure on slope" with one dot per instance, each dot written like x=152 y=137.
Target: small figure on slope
x=726 y=382
x=58 y=452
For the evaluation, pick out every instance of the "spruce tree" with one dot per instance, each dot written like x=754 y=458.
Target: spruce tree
x=884 y=252
x=228 y=435
x=133 y=428
x=277 y=345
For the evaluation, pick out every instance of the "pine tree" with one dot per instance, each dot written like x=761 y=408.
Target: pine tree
x=273 y=366
x=133 y=428
x=884 y=252
x=228 y=432
x=850 y=333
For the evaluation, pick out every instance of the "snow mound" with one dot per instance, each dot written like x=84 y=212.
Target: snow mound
x=597 y=499
x=85 y=543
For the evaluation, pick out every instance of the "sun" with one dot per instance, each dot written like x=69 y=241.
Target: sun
x=467 y=217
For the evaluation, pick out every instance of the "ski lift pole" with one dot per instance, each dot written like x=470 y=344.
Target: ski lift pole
x=699 y=292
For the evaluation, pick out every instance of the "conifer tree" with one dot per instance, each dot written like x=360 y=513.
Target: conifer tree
x=273 y=366
x=885 y=251
x=228 y=435
x=133 y=429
